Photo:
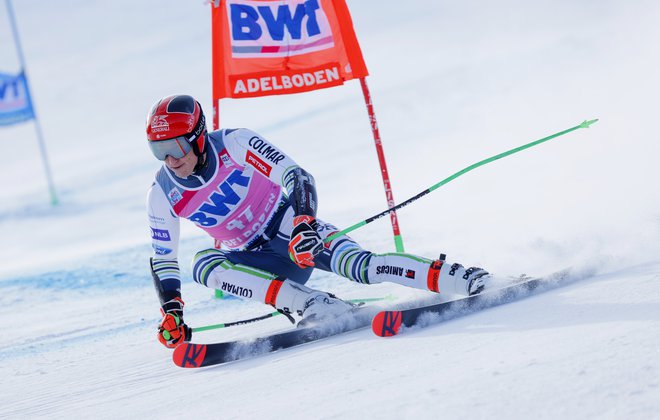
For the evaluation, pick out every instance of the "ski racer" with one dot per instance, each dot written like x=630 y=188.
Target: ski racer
x=260 y=207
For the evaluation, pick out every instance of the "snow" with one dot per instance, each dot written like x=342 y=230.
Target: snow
x=452 y=83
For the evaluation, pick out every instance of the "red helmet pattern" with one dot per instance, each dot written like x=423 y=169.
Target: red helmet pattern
x=178 y=115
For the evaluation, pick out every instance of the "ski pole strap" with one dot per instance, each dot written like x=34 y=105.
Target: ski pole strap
x=584 y=124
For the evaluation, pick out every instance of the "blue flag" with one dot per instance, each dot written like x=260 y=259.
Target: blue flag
x=15 y=102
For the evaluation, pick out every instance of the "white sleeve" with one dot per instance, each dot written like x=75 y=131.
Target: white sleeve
x=163 y=223
x=248 y=148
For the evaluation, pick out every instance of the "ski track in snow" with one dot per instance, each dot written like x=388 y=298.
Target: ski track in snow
x=585 y=341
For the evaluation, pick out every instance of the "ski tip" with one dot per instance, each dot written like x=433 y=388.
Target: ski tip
x=386 y=323
x=189 y=355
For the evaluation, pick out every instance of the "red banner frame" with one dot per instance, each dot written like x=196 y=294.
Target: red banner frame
x=252 y=57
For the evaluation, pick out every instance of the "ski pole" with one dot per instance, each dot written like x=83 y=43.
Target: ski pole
x=272 y=314
x=231 y=324
x=584 y=124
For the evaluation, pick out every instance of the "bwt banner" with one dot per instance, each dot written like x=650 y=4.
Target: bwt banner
x=15 y=104
x=276 y=47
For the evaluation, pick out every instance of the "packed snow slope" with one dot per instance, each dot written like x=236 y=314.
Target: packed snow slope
x=452 y=83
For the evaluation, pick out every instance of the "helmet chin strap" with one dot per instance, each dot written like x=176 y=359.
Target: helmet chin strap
x=202 y=163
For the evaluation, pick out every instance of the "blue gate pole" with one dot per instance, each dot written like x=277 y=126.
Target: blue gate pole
x=42 y=146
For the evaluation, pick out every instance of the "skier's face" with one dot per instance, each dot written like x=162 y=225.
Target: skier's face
x=183 y=167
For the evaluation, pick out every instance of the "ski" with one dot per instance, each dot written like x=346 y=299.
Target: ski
x=191 y=355
x=393 y=322
x=384 y=324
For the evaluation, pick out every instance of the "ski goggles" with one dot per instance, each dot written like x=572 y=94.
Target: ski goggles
x=177 y=147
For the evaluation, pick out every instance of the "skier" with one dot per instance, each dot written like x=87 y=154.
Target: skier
x=260 y=207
